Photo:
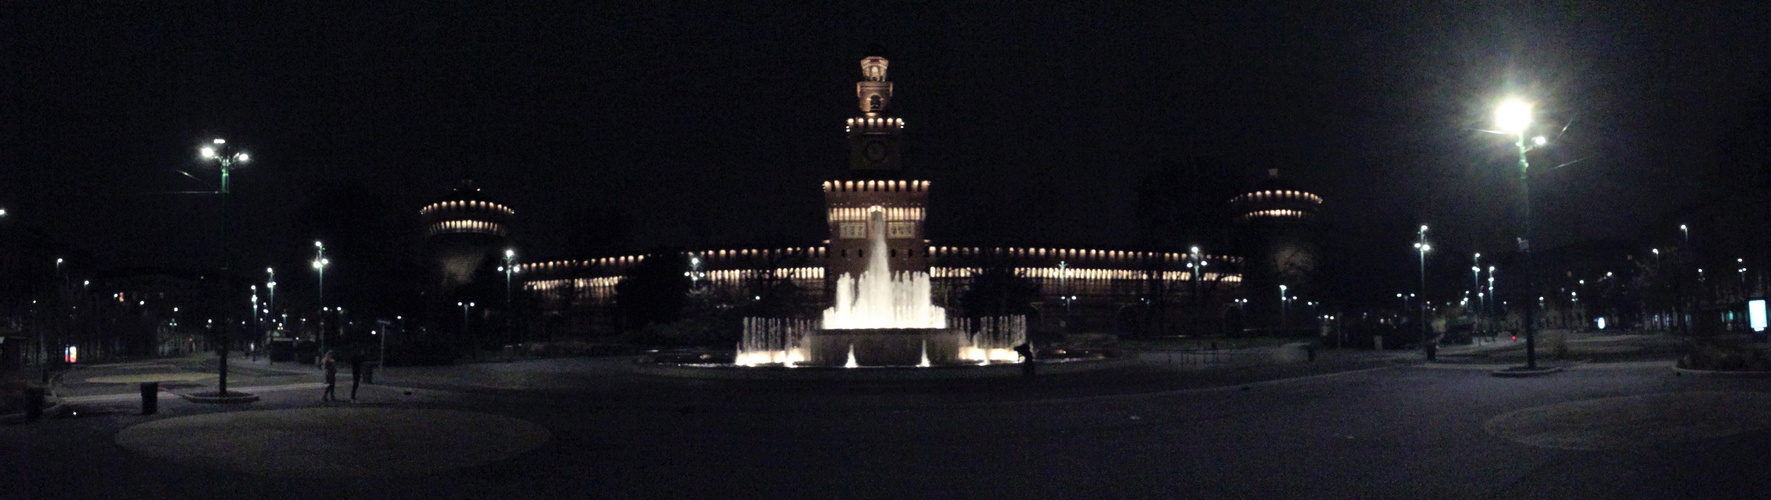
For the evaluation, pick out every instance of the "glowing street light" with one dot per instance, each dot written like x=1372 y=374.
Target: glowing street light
x=320 y=263
x=226 y=158
x=1514 y=117
x=510 y=267
x=1422 y=247
x=464 y=331
x=1282 y=308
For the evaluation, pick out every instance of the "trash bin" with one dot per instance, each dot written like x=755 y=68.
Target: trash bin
x=150 y=398
x=33 y=403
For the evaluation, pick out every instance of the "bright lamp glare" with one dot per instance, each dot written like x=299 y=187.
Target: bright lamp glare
x=207 y=152
x=244 y=158
x=1539 y=140
x=1513 y=116
x=220 y=141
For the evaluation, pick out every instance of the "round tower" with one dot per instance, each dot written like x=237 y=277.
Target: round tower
x=461 y=231
x=1279 y=225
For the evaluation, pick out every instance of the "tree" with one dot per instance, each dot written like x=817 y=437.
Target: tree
x=653 y=291
x=997 y=290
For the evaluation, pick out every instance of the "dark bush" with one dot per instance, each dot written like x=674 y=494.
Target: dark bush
x=1725 y=357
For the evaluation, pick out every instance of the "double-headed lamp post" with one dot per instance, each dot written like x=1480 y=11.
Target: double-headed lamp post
x=1514 y=118
x=510 y=267
x=464 y=332
x=1422 y=247
x=1282 y=308
x=320 y=263
x=225 y=157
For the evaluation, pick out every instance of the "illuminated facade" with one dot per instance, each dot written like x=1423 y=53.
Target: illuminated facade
x=1081 y=289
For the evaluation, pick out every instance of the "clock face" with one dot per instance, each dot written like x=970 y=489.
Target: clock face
x=876 y=151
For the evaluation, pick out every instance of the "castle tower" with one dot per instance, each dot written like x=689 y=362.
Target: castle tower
x=461 y=231
x=875 y=182
x=1279 y=227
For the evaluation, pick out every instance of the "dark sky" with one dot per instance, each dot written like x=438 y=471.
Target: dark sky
x=711 y=125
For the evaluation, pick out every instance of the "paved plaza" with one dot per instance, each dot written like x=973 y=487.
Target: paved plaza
x=1352 y=424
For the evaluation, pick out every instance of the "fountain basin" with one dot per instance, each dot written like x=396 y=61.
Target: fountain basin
x=885 y=346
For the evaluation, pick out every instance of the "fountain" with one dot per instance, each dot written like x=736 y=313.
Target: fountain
x=881 y=318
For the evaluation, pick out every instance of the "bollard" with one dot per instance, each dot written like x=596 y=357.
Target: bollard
x=150 y=398
x=33 y=404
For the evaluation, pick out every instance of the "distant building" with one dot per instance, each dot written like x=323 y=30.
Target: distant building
x=461 y=232
x=1125 y=291
x=1278 y=232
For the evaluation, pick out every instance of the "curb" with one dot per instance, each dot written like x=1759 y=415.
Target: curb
x=888 y=374
x=231 y=398
x=1720 y=373
x=1522 y=373
x=50 y=411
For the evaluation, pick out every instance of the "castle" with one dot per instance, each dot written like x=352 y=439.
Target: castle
x=1098 y=290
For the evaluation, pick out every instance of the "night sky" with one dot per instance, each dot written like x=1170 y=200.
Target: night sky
x=711 y=125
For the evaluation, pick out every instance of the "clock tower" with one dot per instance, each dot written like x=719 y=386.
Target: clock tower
x=874 y=200
x=874 y=135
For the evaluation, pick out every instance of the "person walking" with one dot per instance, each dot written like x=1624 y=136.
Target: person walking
x=1027 y=353
x=356 y=373
x=330 y=365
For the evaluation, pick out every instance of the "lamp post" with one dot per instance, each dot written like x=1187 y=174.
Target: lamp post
x=510 y=267
x=1422 y=247
x=320 y=263
x=225 y=157
x=1514 y=118
x=1282 y=308
x=1064 y=290
x=1491 y=296
x=270 y=300
x=464 y=331
x=1404 y=310
x=1194 y=272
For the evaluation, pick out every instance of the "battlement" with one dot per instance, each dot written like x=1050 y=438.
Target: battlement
x=447 y=208
x=892 y=214
x=886 y=186
x=864 y=125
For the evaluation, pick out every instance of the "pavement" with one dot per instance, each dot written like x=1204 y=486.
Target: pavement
x=1352 y=424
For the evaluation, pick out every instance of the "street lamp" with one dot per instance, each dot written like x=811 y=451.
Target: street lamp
x=464 y=332
x=1514 y=118
x=510 y=266
x=320 y=263
x=1064 y=290
x=1195 y=273
x=226 y=157
x=1422 y=247
x=1282 y=308
x=270 y=286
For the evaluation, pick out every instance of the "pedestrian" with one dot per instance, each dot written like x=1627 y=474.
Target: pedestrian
x=356 y=373
x=330 y=365
x=1027 y=353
